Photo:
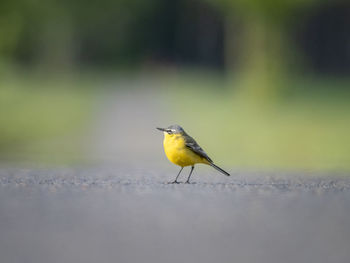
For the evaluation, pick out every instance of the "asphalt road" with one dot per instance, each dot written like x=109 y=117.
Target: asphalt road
x=130 y=214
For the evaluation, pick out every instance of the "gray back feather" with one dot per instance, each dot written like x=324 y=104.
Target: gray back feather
x=193 y=145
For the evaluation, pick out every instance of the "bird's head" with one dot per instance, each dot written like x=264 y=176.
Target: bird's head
x=173 y=129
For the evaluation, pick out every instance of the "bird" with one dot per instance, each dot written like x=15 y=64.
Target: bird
x=182 y=150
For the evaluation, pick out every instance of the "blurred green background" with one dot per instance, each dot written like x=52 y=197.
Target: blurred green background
x=259 y=84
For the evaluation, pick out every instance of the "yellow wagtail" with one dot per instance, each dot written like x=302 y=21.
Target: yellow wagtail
x=181 y=149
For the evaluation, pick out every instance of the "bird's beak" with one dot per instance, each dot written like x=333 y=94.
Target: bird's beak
x=162 y=129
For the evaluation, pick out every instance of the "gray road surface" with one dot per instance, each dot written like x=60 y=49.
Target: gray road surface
x=128 y=214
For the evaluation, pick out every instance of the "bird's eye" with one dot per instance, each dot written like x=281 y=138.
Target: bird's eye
x=169 y=131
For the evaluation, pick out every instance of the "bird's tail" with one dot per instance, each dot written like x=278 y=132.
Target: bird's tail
x=219 y=169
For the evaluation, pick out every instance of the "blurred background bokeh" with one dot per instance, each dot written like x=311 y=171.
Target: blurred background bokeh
x=259 y=84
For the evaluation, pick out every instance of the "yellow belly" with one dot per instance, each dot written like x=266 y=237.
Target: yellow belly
x=178 y=153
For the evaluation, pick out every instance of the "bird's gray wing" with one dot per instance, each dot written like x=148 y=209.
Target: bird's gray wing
x=193 y=145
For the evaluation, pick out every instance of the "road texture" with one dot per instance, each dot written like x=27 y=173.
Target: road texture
x=128 y=214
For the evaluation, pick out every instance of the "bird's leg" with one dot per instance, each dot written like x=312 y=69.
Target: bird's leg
x=188 y=179
x=176 y=182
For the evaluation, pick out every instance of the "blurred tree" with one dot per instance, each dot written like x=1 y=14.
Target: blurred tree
x=10 y=29
x=43 y=24
x=113 y=31
x=50 y=32
x=59 y=34
x=324 y=39
x=261 y=41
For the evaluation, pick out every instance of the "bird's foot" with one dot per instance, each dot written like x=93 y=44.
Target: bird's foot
x=174 y=182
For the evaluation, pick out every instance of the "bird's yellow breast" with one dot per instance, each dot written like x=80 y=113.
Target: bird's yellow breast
x=177 y=151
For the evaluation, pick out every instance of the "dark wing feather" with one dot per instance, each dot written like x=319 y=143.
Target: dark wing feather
x=193 y=145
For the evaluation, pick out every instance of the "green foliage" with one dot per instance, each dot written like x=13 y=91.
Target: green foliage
x=48 y=31
x=35 y=110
